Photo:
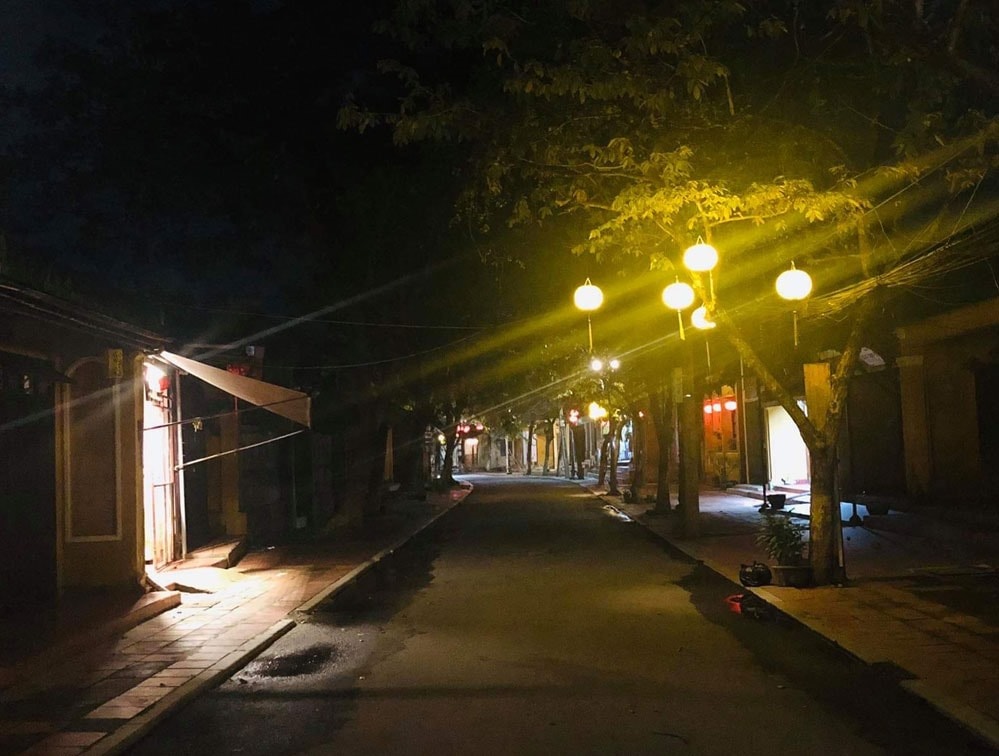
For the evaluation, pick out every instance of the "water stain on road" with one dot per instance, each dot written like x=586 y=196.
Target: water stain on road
x=303 y=662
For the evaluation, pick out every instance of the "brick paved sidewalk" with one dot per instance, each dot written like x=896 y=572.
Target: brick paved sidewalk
x=100 y=698
x=952 y=657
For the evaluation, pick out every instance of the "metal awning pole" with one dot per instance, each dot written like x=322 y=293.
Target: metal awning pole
x=238 y=449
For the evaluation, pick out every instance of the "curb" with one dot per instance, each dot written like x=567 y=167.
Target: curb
x=962 y=714
x=138 y=727
x=135 y=729
x=337 y=586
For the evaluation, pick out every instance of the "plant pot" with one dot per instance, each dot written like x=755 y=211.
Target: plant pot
x=792 y=576
x=776 y=501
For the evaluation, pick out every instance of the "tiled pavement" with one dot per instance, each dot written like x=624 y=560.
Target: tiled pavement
x=879 y=616
x=101 y=697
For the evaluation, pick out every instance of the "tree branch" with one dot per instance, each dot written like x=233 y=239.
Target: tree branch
x=731 y=332
x=840 y=380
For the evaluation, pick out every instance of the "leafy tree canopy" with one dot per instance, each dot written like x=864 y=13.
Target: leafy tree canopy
x=774 y=129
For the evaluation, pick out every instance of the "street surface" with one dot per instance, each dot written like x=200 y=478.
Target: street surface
x=530 y=620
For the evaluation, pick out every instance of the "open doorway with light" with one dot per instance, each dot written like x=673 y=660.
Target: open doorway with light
x=788 y=455
x=164 y=531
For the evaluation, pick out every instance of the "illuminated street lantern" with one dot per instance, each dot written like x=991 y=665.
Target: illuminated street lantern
x=588 y=298
x=699 y=319
x=596 y=412
x=700 y=258
x=794 y=285
x=678 y=296
x=597 y=365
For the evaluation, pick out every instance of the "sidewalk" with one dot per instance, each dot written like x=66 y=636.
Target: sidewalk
x=105 y=672
x=878 y=617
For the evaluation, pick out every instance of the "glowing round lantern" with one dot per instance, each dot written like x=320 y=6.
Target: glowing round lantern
x=699 y=319
x=700 y=258
x=678 y=296
x=794 y=284
x=588 y=297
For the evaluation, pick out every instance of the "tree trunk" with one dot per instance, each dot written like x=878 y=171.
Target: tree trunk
x=820 y=436
x=661 y=409
x=823 y=544
x=447 y=474
x=604 y=451
x=530 y=443
x=637 y=458
x=690 y=460
x=549 y=442
x=615 y=430
x=578 y=447
x=570 y=450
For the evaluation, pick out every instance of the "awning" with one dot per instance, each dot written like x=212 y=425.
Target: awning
x=282 y=401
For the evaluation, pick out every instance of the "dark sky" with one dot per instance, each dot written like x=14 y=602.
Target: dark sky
x=212 y=163
x=213 y=184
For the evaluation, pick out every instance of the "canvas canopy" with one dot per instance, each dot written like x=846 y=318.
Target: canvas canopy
x=286 y=402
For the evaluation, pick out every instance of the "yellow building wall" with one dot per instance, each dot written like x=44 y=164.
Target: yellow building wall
x=940 y=403
x=109 y=554
x=233 y=521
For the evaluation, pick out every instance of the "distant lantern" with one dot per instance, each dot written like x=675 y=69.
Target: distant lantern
x=596 y=364
x=699 y=319
x=700 y=258
x=678 y=296
x=596 y=412
x=794 y=284
x=588 y=297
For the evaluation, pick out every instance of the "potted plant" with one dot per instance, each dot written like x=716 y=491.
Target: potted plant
x=784 y=541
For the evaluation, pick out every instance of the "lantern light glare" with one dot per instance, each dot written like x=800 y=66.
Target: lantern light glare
x=596 y=412
x=155 y=378
x=699 y=319
x=678 y=296
x=588 y=297
x=794 y=284
x=700 y=258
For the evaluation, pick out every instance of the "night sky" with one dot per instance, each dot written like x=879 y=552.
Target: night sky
x=187 y=156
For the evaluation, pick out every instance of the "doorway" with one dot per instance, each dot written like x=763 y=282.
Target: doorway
x=788 y=453
x=164 y=542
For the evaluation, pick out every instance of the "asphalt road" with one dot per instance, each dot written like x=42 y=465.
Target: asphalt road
x=531 y=621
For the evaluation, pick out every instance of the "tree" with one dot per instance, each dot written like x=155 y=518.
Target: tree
x=833 y=135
